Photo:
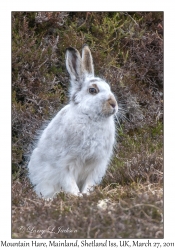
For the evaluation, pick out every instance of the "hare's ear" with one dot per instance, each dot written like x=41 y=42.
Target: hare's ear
x=74 y=64
x=87 y=60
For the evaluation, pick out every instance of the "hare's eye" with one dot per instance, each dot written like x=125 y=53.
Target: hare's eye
x=92 y=91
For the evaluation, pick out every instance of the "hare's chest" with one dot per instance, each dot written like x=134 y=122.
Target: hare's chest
x=98 y=140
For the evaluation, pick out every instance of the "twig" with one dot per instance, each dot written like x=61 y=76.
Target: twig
x=138 y=205
x=126 y=13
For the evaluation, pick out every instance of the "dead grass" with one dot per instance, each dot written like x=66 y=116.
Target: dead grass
x=126 y=211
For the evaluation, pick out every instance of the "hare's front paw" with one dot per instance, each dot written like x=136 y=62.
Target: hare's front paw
x=71 y=188
x=87 y=188
x=75 y=193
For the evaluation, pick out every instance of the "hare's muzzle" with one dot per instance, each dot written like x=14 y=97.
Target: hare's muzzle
x=110 y=106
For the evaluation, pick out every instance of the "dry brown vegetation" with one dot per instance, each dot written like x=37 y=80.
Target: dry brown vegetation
x=127 y=48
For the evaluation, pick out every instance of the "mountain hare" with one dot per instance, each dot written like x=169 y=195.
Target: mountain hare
x=74 y=150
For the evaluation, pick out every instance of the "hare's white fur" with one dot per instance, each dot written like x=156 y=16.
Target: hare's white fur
x=74 y=150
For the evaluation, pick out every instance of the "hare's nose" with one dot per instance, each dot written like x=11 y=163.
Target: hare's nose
x=113 y=105
x=112 y=102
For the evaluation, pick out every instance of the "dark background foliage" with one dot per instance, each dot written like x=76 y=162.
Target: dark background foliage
x=127 y=48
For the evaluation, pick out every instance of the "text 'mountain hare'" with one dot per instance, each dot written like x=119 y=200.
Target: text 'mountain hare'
x=75 y=148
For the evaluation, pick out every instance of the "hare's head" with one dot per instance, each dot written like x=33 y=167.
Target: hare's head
x=91 y=95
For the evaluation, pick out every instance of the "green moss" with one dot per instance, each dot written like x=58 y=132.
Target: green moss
x=157 y=130
x=17 y=153
x=146 y=138
x=156 y=215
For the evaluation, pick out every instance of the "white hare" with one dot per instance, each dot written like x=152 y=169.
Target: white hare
x=74 y=150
